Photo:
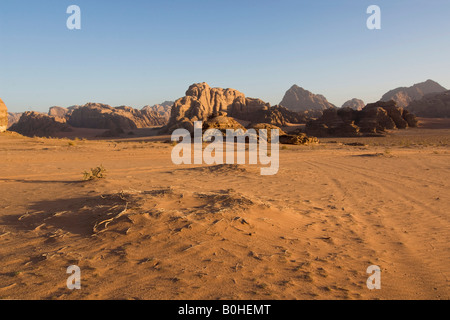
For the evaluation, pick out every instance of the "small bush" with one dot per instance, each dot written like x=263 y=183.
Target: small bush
x=96 y=173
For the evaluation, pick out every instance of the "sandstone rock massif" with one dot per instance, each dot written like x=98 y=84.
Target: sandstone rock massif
x=38 y=124
x=13 y=117
x=91 y=115
x=201 y=102
x=222 y=123
x=372 y=120
x=434 y=105
x=405 y=95
x=355 y=104
x=58 y=112
x=162 y=109
x=300 y=100
x=102 y=116
x=3 y=116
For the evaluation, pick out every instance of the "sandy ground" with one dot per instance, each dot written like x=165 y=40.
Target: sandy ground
x=153 y=230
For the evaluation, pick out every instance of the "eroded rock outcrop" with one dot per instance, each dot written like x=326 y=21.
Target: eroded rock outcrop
x=355 y=104
x=58 y=112
x=299 y=100
x=222 y=123
x=374 y=119
x=266 y=126
x=298 y=139
x=436 y=105
x=13 y=117
x=102 y=116
x=37 y=124
x=405 y=95
x=276 y=115
x=202 y=101
x=3 y=116
x=164 y=109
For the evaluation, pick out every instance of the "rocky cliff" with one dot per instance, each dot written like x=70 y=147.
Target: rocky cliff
x=201 y=102
x=434 y=105
x=355 y=104
x=13 y=117
x=38 y=124
x=3 y=116
x=299 y=100
x=102 y=116
x=162 y=109
x=405 y=95
x=58 y=112
x=372 y=120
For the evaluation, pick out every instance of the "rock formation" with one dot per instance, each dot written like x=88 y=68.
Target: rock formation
x=202 y=101
x=266 y=126
x=405 y=95
x=299 y=100
x=434 y=105
x=102 y=116
x=58 y=112
x=3 y=116
x=222 y=123
x=355 y=104
x=298 y=139
x=13 y=117
x=374 y=119
x=162 y=109
x=276 y=115
x=38 y=124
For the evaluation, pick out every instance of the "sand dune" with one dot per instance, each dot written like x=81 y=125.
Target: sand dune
x=153 y=230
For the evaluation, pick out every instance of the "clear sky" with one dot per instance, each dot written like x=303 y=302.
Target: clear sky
x=140 y=52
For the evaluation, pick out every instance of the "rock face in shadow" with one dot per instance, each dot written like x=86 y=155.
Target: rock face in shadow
x=38 y=124
x=372 y=120
x=435 y=105
x=276 y=115
x=405 y=95
x=355 y=104
x=202 y=101
x=102 y=116
x=3 y=116
x=300 y=100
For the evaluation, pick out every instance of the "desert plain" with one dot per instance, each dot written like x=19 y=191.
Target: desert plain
x=154 y=230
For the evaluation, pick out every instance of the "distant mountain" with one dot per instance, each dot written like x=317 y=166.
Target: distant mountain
x=13 y=117
x=3 y=116
x=58 y=112
x=355 y=104
x=162 y=109
x=433 y=105
x=405 y=95
x=299 y=100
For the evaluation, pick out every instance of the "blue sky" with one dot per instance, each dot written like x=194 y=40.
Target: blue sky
x=139 y=52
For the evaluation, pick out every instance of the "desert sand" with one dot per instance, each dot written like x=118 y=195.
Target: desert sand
x=154 y=230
